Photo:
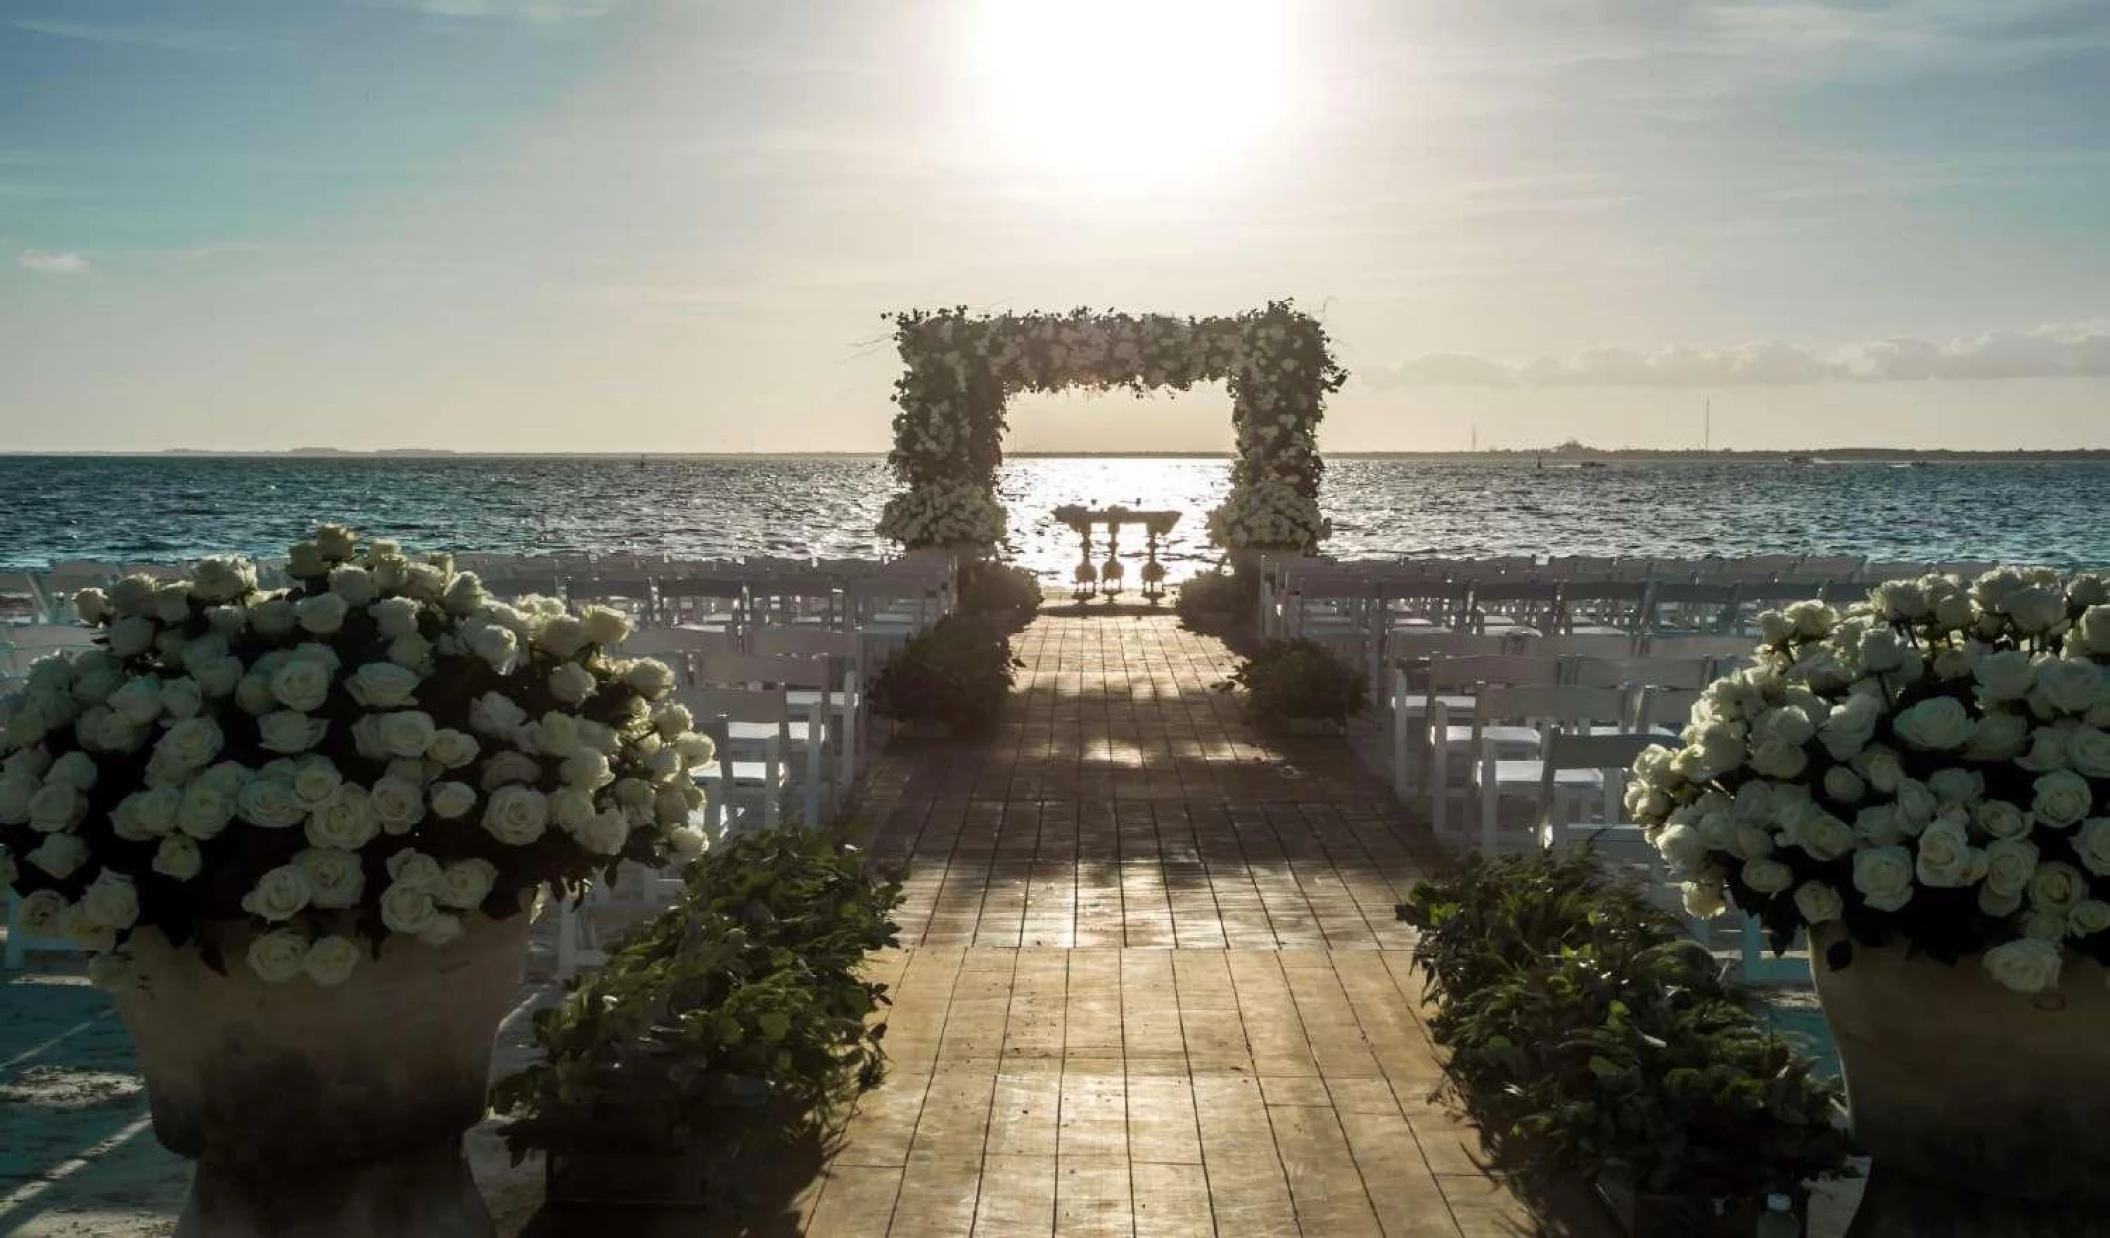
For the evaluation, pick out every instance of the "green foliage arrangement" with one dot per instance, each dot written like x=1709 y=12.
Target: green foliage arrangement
x=1299 y=679
x=955 y=673
x=1586 y=1026
x=1215 y=599
x=1007 y=593
x=733 y=1022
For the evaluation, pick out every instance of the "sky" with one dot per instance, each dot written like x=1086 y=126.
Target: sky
x=573 y=225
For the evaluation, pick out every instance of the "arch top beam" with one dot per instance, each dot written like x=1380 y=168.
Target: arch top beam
x=960 y=369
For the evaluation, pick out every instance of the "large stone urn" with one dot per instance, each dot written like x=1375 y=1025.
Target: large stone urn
x=324 y=1112
x=1986 y=1113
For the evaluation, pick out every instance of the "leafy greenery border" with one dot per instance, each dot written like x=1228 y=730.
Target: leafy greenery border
x=962 y=368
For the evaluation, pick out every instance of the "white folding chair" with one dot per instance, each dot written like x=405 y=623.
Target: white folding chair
x=754 y=776
x=809 y=730
x=1545 y=709
x=679 y=647
x=1443 y=701
x=844 y=652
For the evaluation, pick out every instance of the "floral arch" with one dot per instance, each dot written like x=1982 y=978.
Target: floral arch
x=962 y=369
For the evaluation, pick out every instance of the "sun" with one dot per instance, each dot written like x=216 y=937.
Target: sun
x=1131 y=94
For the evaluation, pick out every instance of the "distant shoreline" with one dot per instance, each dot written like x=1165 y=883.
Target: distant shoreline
x=1570 y=456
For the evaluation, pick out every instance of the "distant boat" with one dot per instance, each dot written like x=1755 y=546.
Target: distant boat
x=1593 y=464
x=1923 y=464
x=1800 y=460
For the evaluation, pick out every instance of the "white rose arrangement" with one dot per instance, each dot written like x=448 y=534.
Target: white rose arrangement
x=381 y=750
x=961 y=368
x=1931 y=765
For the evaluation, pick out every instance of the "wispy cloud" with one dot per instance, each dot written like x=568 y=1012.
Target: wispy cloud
x=45 y=263
x=2063 y=350
x=163 y=37
x=539 y=12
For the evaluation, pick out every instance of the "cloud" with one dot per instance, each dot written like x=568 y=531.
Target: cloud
x=49 y=263
x=2065 y=350
x=168 y=39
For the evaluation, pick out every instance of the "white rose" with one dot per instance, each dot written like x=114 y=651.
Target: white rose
x=672 y=719
x=2001 y=819
x=316 y=779
x=2092 y=631
x=222 y=578
x=269 y=804
x=182 y=698
x=111 y=900
x=451 y=748
x=405 y=733
x=2092 y=844
x=279 y=895
x=1849 y=726
x=382 y=685
x=178 y=857
x=605 y=626
x=148 y=814
x=670 y=805
x=686 y=843
x=2026 y=965
x=322 y=614
x=465 y=595
x=496 y=715
x=75 y=769
x=2088 y=748
x=2066 y=686
x=1879 y=765
x=331 y=960
x=2005 y=675
x=1998 y=737
x=92 y=605
x=252 y=693
x=571 y=683
x=56 y=807
x=408 y=909
x=516 y=815
x=42 y=911
x=98 y=680
x=2088 y=917
x=278 y=956
x=1822 y=835
x=1956 y=785
x=273 y=617
x=2061 y=798
x=1883 y=875
x=1776 y=758
x=290 y=731
x=606 y=833
x=558 y=735
x=1767 y=876
x=571 y=808
x=139 y=701
x=345 y=820
x=355 y=585
x=336 y=541
x=561 y=635
x=16 y=790
x=1946 y=857
x=452 y=800
x=586 y=769
x=1818 y=902
x=172 y=603
x=2010 y=863
x=1937 y=723
x=190 y=744
x=1843 y=785
x=417 y=871
x=60 y=855
x=650 y=678
x=336 y=878
x=2035 y=608
x=2057 y=884
x=133 y=594
x=496 y=645
x=444 y=930
x=465 y=884
x=695 y=749
x=510 y=767
x=412 y=652
x=395 y=616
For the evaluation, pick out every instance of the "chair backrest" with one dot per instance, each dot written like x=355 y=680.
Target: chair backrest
x=1698 y=646
x=1471 y=672
x=1556 y=703
x=1665 y=707
x=1417 y=646
x=678 y=642
x=733 y=670
x=804 y=642
x=1770 y=592
x=1689 y=673
x=1502 y=592
x=757 y=705
x=681 y=586
x=1598 y=647
x=1570 y=750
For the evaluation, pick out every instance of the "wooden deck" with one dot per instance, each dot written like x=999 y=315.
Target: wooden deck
x=1150 y=982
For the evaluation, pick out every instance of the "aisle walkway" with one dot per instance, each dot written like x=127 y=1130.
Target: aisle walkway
x=1150 y=982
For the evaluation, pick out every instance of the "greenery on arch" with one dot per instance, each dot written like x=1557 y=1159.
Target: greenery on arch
x=962 y=368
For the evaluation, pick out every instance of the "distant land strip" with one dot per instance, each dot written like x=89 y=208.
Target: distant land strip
x=1562 y=455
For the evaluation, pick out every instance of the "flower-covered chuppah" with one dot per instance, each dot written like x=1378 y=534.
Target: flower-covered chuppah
x=1923 y=781
x=962 y=368
x=299 y=827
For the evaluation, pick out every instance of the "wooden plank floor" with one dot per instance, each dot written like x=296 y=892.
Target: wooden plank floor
x=1150 y=982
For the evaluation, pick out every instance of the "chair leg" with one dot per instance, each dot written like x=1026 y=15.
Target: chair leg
x=1490 y=804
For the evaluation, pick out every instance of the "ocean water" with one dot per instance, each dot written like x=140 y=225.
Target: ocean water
x=162 y=508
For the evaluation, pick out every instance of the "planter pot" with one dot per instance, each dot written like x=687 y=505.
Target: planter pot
x=658 y=1180
x=1981 y=1110
x=324 y=1112
x=1676 y=1216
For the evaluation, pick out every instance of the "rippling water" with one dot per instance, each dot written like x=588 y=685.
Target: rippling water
x=165 y=508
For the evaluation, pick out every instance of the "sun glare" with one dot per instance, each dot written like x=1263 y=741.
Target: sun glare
x=1132 y=94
